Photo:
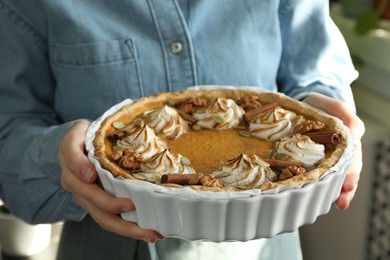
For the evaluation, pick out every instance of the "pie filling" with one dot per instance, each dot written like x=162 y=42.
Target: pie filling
x=228 y=144
x=219 y=142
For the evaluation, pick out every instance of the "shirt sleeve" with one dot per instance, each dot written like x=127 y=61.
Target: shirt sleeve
x=315 y=56
x=30 y=129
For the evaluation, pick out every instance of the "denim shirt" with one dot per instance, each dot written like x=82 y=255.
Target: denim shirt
x=65 y=60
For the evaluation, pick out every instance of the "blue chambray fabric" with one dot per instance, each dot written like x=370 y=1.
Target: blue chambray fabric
x=65 y=60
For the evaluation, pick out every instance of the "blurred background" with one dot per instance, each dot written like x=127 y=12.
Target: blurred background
x=362 y=231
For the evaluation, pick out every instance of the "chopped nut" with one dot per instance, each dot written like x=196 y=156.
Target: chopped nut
x=189 y=105
x=130 y=160
x=291 y=171
x=186 y=108
x=249 y=102
x=209 y=180
x=308 y=126
x=285 y=175
x=199 y=102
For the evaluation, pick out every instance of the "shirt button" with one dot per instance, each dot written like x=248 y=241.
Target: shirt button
x=176 y=47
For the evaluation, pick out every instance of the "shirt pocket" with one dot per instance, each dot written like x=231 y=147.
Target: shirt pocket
x=92 y=77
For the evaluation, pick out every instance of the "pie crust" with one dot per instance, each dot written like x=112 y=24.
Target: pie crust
x=129 y=113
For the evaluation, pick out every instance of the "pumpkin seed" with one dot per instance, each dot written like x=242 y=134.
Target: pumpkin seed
x=297 y=120
x=242 y=126
x=201 y=110
x=170 y=102
x=319 y=162
x=163 y=136
x=118 y=125
x=145 y=116
x=219 y=118
x=261 y=163
x=245 y=133
x=196 y=127
x=156 y=178
x=253 y=120
x=274 y=149
x=240 y=187
x=185 y=161
x=139 y=176
x=221 y=174
x=117 y=148
x=282 y=156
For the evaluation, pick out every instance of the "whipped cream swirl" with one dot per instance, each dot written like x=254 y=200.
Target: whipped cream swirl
x=273 y=124
x=166 y=162
x=143 y=141
x=246 y=171
x=166 y=121
x=300 y=148
x=222 y=113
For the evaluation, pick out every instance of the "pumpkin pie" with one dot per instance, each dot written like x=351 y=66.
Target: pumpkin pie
x=219 y=140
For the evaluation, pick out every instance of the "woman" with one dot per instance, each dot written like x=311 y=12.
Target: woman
x=65 y=62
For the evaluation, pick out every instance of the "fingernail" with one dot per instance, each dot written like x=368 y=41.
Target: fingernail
x=160 y=237
x=87 y=174
x=126 y=208
x=147 y=240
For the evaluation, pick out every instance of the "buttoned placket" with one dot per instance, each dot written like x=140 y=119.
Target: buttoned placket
x=179 y=59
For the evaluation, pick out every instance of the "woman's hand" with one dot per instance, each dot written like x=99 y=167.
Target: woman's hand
x=78 y=177
x=341 y=110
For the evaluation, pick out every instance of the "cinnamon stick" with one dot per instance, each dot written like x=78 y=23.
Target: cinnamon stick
x=282 y=163
x=248 y=116
x=186 y=116
x=181 y=179
x=325 y=137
